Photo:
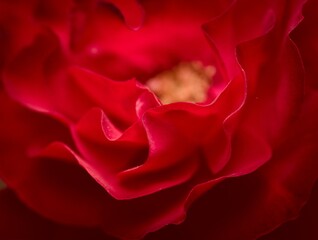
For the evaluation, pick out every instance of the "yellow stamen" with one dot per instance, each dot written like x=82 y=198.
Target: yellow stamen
x=187 y=82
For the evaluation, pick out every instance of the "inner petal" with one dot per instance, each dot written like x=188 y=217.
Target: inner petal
x=186 y=82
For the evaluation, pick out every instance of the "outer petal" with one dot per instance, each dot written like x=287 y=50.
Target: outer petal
x=40 y=78
x=57 y=187
x=22 y=20
x=19 y=222
x=263 y=91
x=17 y=126
x=247 y=207
x=304 y=227
x=306 y=40
x=35 y=177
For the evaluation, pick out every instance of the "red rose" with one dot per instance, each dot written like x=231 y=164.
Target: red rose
x=158 y=119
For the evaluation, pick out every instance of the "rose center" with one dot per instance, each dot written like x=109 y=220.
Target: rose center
x=186 y=82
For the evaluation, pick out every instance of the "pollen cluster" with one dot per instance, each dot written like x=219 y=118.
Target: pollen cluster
x=186 y=82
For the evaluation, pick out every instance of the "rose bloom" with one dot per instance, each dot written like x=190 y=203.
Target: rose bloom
x=164 y=119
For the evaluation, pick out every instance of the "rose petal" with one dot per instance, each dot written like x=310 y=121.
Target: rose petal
x=249 y=206
x=304 y=227
x=36 y=80
x=159 y=44
x=306 y=40
x=107 y=151
x=54 y=185
x=19 y=222
x=132 y=12
x=17 y=126
x=278 y=99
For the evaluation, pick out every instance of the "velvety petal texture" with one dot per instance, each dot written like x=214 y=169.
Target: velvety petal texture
x=88 y=151
x=19 y=222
